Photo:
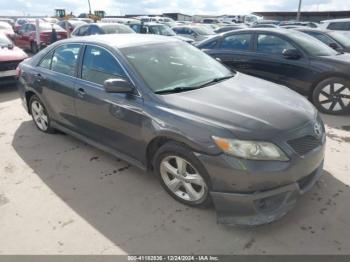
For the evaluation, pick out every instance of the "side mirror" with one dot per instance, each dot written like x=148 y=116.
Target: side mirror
x=334 y=46
x=118 y=85
x=291 y=54
x=20 y=32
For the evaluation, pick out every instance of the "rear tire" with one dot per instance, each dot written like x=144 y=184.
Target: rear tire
x=40 y=115
x=182 y=175
x=332 y=96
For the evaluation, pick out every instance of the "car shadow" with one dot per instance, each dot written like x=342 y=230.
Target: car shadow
x=8 y=92
x=129 y=207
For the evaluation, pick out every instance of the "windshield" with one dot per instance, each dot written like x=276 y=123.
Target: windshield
x=161 y=30
x=117 y=29
x=344 y=40
x=202 y=30
x=4 y=41
x=174 y=64
x=311 y=45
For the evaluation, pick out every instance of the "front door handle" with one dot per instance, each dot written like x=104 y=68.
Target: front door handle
x=38 y=77
x=81 y=92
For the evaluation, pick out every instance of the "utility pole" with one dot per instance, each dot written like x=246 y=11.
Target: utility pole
x=299 y=10
x=89 y=7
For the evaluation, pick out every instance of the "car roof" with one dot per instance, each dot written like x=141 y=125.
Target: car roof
x=264 y=30
x=336 y=20
x=122 y=40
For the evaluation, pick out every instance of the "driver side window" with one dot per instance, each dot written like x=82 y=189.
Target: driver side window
x=272 y=44
x=99 y=65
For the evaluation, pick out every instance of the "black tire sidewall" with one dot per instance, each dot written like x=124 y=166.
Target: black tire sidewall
x=177 y=149
x=318 y=89
x=49 y=129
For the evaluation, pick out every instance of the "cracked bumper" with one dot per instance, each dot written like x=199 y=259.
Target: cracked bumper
x=261 y=207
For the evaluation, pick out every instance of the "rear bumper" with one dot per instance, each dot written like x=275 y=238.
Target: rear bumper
x=261 y=207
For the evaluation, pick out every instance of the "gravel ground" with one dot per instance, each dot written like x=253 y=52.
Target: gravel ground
x=61 y=196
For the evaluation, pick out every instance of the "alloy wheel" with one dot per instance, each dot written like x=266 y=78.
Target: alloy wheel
x=39 y=115
x=335 y=97
x=183 y=179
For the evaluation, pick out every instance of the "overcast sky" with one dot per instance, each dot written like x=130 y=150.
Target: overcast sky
x=121 y=7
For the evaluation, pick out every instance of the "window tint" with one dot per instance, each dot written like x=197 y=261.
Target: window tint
x=65 y=59
x=136 y=28
x=46 y=61
x=209 y=45
x=94 y=30
x=30 y=27
x=323 y=38
x=82 y=31
x=237 y=42
x=272 y=44
x=99 y=65
x=339 y=26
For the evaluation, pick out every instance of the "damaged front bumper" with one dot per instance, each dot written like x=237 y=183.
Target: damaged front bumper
x=261 y=207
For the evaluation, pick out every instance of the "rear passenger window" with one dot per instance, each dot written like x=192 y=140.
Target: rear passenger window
x=272 y=44
x=99 y=65
x=94 y=30
x=209 y=45
x=82 y=31
x=65 y=59
x=323 y=38
x=236 y=42
x=339 y=26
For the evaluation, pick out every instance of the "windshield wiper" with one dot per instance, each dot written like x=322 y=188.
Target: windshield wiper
x=216 y=80
x=180 y=89
x=177 y=89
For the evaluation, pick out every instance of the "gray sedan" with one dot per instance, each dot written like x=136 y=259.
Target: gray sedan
x=249 y=146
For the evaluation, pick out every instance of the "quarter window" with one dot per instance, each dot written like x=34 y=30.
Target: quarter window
x=272 y=44
x=236 y=42
x=345 y=26
x=46 y=61
x=65 y=59
x=99 y=65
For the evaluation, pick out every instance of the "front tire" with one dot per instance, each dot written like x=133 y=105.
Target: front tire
x=40 y=115
x=332 y=96
x=182 y=175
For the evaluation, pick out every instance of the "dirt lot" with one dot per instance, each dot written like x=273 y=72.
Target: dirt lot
x=61 y=196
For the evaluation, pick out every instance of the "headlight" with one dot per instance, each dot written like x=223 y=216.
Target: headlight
x=254 y=150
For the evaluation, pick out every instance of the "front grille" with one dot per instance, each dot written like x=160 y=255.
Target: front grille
x=304 y=145
x=11 y=65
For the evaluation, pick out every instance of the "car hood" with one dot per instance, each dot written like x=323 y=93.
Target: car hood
x=247 y=106
x=14 y=54
x=342 y=58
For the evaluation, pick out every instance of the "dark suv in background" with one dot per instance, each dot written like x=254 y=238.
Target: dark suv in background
x=289 y=58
